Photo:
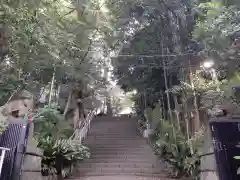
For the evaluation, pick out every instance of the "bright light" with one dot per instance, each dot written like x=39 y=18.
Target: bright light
x=208 y=64
x=127 y=110
x=134 y=91
x=7 y=61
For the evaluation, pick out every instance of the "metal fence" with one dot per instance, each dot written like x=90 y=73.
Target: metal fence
x=80 y=134
x=13 y=144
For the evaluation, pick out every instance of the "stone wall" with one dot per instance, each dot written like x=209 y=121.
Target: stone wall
x=24 y=106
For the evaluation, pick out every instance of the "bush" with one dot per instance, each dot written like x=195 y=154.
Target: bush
x=48 y=122
x=53 y=132
x=181 y=153
x=60 y=156
x=3 y=125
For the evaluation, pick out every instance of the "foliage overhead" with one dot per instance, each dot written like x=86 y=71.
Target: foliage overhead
x=51 y=37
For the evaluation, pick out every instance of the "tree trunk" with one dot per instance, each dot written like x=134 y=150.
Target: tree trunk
x=168 y=96
x=68 y=103
x=79 y=110
x=109 y=105
x=3 y=41
x=51 y=89
x=57 y=93
x=197 y=123
x=166 y=82
x=81 y=118
x=177 y=112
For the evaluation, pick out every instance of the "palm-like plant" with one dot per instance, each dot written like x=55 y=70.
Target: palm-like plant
x=61 y=155
x=181 y=153
x=53 y=132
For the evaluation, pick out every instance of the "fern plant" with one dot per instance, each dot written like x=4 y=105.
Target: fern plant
x=178 y=151
x=60 y=156
x=52 y=132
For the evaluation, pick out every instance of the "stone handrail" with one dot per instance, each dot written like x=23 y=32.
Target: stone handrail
x=81 y=133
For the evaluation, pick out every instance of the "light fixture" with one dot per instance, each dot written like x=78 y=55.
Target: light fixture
x=134 y=91
x=208 y=64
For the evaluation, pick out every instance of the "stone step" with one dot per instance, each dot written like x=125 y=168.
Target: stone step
x=137 y=153
x=122 y=144
x=116 y=147
x=115 y=144
x=134 y=137
x=123 y=156
x=136 y=141
x=146 y=172
x=111 y=140
x=119 y=160
x=112 y=150
x=113 y=132
x=122 y=135
x=117 y=165
x=120 y=170
x=129 y=136
x=119 y=147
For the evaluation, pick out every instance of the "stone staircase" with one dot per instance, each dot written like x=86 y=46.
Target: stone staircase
x=118 y=149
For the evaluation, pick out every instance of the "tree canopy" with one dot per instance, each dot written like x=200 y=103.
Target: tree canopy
x=42 y=38
x=147 y=41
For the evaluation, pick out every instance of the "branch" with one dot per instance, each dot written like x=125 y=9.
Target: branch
x=88 y=50
x=68 y=13
x=168 y=8
x=19 y=88
x=13 y=94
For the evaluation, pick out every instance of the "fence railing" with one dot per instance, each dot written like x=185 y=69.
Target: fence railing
x=3 y=153
x=13 y=144
x=81 y=133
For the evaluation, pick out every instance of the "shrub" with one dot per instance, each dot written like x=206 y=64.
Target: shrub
x=178 y=151
x=61 y=155
x=3 y=126
x=48 y=122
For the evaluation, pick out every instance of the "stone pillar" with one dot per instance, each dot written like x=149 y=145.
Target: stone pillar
x=32 y=160
x=208 y=162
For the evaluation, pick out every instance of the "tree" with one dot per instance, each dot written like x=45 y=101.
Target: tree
x=163 y=37
x=218 y=30
x=49 y=39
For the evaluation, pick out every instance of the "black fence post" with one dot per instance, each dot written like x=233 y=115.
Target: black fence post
x=20 y=151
